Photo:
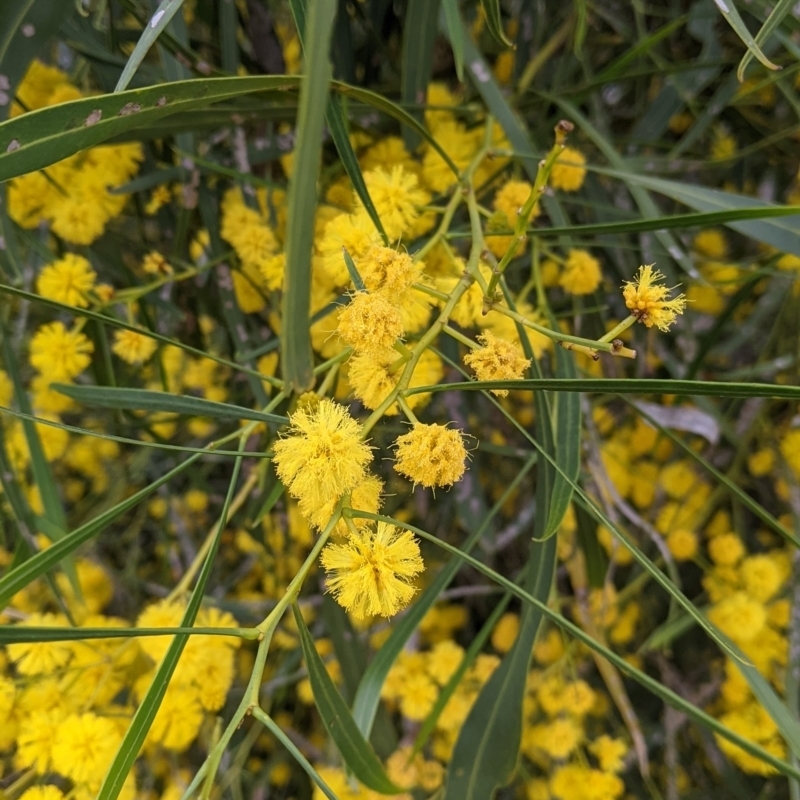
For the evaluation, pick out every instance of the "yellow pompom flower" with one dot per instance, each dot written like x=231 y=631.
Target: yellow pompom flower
x=133 y=347
x=370 y=323
x=353 y=232
x=609 y=752
x=397 y=197
x=388 y=271
x=36 y=737
x=582 y=274
x=508 y=202
x=67 y=280
x=682 y=543
x=790 y=450
x=322 y=456
x=60 y=354
x=431 y=455
x=365 y=496
x=371 y=573
x=40 y=658
x=711 y=243
x=569 y=171
x=648 y=301
x=155 y=264
x=84 y=747
x=43 y=793
x=497 y=360
x=739 y=617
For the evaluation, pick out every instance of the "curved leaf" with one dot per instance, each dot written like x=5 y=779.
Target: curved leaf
x=355 y=749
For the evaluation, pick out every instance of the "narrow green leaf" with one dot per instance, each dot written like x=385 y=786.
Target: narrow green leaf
x=229 y=47
x=158 y=22
x=147 y=400
x=773 y=21
x=728 y=10
x=624 y=386
x=356 y=751
x=12 y=634
x=146 y=712
x=485 y=754
x=337 y=125
x=648 y=682
x=20 y=576
x=274 y=728
x=369 y=691
x=419 y=33
x=681 y=221
x=296 y=356
x=124 y=439
x=455 y=31
x=567 y=444
x=352 y=270
x=40 y=138
x=494 y=21
x=42 y=474
x=782 y=233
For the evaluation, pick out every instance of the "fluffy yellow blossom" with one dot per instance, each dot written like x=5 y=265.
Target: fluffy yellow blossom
x=36 y=737
x=386 y=270
x=352 y=232
x=373 y=377
x=365 y=496
x=582 y=274
x=397 y=198
x=133 y=347
x=59 y=354
x=497 y=360
x=178 y=720
x=682 y=543
x=711 y=243
x=569 y=171
x=505 y=632
x=443 y=660
x=371 y=573
x=761 y=577
x=48 y=792
x=577 y=782
x=726 y=549
x=322 y=456
x=155 y=264
x=67 y=280
x=508 y=203
x=739 y=617
x=431 y=455
x=648 y=301
x=610 y=753
x=84 y=746
x=40 y=658
x=790 y=450
x=370 y=323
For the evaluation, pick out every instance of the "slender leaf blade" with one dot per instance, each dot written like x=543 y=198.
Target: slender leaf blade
x=773 y=21
x=149 y=400
x=355 y=749
x=494 y=21
x=728 y=10
x=296 y=355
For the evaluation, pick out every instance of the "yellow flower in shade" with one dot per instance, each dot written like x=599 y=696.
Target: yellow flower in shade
x=682 y=543
x=133 y=347
x=497 y=360
x=155 y=264
x=582 y=274
x=323 y=455
x=43 y=793
x=505 y=632
x=371 y=573
x=431 y=455
x=397 y=197
x=790 y=450
x=610 y=753
x=370 y=323
x=577 y=782
x=40 y=658
x=84 y=747
x=569 y=171
x=68 y=280
x=711 y=243
x=58 y=353
x=648 y=301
